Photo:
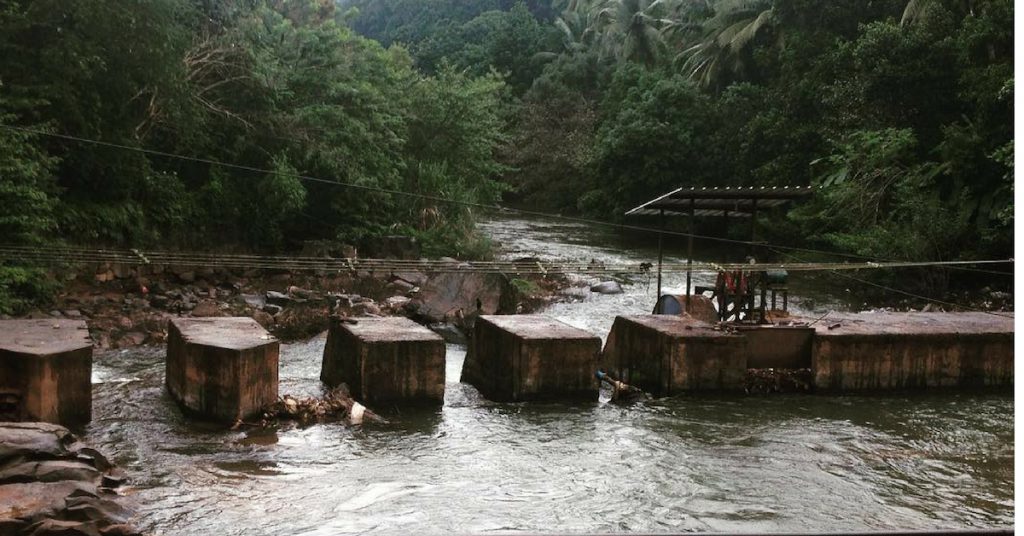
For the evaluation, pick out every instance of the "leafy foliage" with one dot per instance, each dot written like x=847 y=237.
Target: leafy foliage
x=897 y=109
x=27 y=192
x=270 y=85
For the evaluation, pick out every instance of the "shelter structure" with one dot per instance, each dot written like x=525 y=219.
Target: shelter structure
x=726 y=202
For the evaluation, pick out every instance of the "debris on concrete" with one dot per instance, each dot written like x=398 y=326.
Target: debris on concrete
x=777 y=380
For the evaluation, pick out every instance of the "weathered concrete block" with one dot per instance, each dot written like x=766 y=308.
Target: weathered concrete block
x=224 y=369
x=664 y=354
x=869 y=351
x=786 y=347
x=45 y=371
x=530 y=357
x=391 y=359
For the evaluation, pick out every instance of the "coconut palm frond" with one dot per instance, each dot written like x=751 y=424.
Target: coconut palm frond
x=915 y=10
x=749 y=32
x=727 y=38
x=567 y=33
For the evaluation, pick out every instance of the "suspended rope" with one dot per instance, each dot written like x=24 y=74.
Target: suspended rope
x=439 y=199
x=64 y=255
x=905 y=293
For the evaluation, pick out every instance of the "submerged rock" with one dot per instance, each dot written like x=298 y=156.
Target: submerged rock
x=397 y=302
x=607 y=287
x=449 y=332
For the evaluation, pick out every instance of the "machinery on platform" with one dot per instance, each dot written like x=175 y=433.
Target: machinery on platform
x=735 y=292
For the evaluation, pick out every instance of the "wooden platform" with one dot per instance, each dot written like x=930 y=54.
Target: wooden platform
x=530 y=357
x=223 y=369
x=45 y=371
x=390 y=359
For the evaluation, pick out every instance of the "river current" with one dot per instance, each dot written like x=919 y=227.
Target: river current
x=690 y=463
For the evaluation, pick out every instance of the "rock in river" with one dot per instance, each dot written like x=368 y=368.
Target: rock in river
x=607 y=287
x=457 y=295
x=278 y=298
x=50 y=483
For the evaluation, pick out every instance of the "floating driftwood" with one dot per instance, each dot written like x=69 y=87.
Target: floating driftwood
x=621 y=392
x=336 y=405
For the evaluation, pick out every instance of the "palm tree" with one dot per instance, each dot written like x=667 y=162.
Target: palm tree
x=723 y=51
x=687 y=21
x=916 y=10
x=577 y=27
x=631 y=29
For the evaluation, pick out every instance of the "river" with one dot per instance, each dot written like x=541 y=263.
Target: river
x=690 y=463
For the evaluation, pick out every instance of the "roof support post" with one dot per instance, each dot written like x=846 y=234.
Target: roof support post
x=689 y=252
x=661 y=233
x=753 y=225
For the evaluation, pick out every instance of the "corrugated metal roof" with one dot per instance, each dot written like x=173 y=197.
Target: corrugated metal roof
x=731 y=201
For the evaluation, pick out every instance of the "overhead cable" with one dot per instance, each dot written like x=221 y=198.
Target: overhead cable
x=439 y=199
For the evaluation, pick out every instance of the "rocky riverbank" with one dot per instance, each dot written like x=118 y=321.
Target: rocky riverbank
x=130 y=306
x=51 y=483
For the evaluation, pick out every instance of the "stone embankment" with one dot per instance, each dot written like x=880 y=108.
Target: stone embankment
x=128 y=306
x=51 y=483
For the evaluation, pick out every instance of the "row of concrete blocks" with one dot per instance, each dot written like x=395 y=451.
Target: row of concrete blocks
x=222 y=369
x=530 y=357
x=227 y=368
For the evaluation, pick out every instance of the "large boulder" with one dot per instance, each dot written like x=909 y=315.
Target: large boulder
x=206 y=309
x=460 y=295
x=48 y=471
x=607 y=287
x=280 y=299
x=412 y=277
x=33 y=439
x=50 y=483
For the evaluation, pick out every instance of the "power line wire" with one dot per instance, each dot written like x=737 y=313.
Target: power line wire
x=905 y=293
x=54 y=255
x=449 y=201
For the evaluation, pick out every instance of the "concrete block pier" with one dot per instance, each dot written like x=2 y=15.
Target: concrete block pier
x=530 y=357
x=877 y=351
x=222 y=369
x=665 y=355
x=45 y=371
x=391 y=359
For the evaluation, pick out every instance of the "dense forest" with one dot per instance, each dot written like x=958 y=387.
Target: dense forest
x=901 y=110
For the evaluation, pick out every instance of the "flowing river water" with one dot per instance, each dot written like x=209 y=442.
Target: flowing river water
x=691 y=463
